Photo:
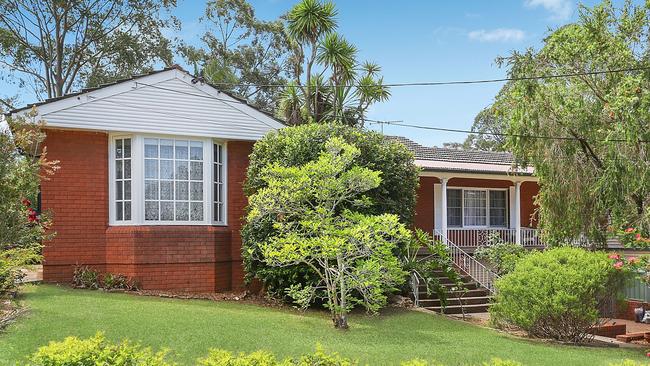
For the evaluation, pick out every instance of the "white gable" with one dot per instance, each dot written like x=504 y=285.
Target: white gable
x=167 y=102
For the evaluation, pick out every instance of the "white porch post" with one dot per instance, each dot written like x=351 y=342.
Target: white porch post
x=518 y=211
x=443 y=201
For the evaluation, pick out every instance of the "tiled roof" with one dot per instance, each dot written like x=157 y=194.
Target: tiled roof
x=444 y=154
x=474 y=161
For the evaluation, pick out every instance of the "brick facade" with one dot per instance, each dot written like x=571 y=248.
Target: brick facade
x=183 y=258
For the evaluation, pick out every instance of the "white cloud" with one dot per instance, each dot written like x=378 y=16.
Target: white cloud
x=497 y=35
x=560 y=9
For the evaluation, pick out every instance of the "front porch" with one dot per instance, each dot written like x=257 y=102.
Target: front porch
x=469 y=239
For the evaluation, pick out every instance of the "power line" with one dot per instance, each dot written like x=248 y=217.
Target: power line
x=454 y=82
x=442 y=129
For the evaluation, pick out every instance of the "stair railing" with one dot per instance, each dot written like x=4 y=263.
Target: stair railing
x=415 y=289
x=468 y=264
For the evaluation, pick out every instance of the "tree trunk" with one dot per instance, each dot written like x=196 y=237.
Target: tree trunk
x=341 y=321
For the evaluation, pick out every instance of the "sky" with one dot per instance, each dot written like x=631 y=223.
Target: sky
x=427 y=40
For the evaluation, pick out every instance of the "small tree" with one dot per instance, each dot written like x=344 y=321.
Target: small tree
x=23 y=164
x=351 y=253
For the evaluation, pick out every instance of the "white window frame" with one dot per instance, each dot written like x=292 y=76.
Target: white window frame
x=487 y=206
x=137 y=181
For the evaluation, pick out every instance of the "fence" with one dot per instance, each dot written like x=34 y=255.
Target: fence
x=637 y=290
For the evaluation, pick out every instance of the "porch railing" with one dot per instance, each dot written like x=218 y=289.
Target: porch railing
x=472 y=238
x=466 y=263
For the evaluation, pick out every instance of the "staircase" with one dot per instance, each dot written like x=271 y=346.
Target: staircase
x=478 y=284
x=474 y=298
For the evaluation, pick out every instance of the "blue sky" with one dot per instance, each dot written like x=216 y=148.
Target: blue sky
x=431 y=40
x=426 y=40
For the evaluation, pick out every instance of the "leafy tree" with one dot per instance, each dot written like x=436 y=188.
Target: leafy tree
x=296 y=146
x=599 y=174
x=54 y=47
x=241 y=53
x=330 y=83
x=486 y=133
x=23 y=163
x=351 y=253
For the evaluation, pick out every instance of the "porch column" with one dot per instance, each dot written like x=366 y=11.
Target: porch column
x=518 y=211
x=443 y=201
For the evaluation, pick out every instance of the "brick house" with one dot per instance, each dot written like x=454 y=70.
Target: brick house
x=151 y=178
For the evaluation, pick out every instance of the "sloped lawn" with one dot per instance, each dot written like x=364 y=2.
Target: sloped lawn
x=191 y=327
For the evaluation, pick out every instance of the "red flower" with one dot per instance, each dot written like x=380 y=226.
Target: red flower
x=614 y=256
x=26 y=202
x=629 y=230
x=618 y=265
x=32 y=216
x=632 y=260
x=648 y=354
x=638 y=237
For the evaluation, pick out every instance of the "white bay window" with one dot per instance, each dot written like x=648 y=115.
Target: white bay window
x=469 y=207
x=170 y=181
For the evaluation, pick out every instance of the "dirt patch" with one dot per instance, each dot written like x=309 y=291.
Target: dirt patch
x=237 y=296
x=9 y=312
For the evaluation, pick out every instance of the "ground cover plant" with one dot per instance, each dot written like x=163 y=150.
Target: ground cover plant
x=189 y=328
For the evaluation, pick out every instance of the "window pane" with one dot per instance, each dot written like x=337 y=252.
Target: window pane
x=454 y=207
x=167 y=211
x=181 y=170
x=166 y=169
x=196 y=211
x=127 y=169
x=150 y=148
x=475 y=208
x=119 y=169
x=150 y=168
x=151 y=189
x=166 y=190
x=181 y=150
x=151 y=210
x=119 y=193
x=127 y=148
x=182 y=209
x=196 y=170
x=127 y=210
x=118 y=211
x=196 y=150
x=196 y=191
x=127 y=190
x=498 y=204
x=182 y=192
x=118 y=149
x=166 y=149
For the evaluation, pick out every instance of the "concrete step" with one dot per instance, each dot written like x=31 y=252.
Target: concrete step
x=477 y=300
x=466 y=285
x=479 y=292
x=457 y=309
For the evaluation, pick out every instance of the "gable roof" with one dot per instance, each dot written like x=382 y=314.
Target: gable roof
x=470 y=161
x=167 y=101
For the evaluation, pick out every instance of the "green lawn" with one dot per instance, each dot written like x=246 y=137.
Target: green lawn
x=191 y=327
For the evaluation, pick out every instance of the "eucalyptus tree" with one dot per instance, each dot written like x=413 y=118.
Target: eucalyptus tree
x=54 y=47
x=586 y=134
x=241 y=53
x=330 y=83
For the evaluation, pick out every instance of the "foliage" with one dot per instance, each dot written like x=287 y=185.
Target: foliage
x=424 y=268
x=296 y=146
x=330 y=84
x=501 y=255
x=633 y=238
x=23 y=164
x=56 y=47
x=73 y=351
x=487 y=133
x=310 y=207
x=112 y=281
x=86 y=277
x=599 y=173
x=558 y=293
x=242 y=54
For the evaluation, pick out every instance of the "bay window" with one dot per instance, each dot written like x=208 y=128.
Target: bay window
x=476 y=207
x=158 y=180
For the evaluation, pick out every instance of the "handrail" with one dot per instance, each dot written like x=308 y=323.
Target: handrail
x=465 y=262
x=415 y=289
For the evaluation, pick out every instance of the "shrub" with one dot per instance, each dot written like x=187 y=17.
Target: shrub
x=112 y=281
x=96 y=351
x=219 y=357
x=558 y=293
x=85 y=277
x=501 y=255
x=296 y=146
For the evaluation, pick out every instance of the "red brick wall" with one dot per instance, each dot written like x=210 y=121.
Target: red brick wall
x=184 y=258
x=424 y=208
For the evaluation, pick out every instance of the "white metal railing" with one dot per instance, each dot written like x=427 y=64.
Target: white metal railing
x=466 y=263
x=477 y=237
x=415 y=289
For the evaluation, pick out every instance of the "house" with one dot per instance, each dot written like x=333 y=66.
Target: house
x=465 y=195
x=151 y=179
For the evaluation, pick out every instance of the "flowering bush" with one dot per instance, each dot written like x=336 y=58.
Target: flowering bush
x=633 y=238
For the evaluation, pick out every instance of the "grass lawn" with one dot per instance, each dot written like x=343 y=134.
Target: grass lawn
x=191 y=327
